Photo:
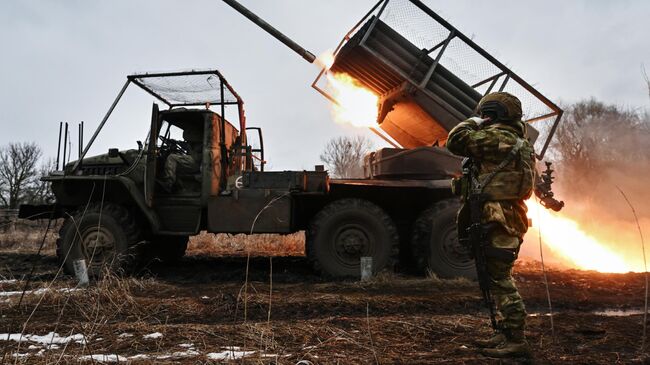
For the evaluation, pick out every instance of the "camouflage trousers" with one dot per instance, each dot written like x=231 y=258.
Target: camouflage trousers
x=502 y=285
x=177 y=164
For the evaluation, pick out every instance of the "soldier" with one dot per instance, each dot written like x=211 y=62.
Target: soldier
x=502 y=164
x=180 y=163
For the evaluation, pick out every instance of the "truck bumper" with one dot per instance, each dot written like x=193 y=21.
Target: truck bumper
x=34 y=212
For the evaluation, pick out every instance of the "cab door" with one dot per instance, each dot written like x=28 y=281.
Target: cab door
x=152 y=154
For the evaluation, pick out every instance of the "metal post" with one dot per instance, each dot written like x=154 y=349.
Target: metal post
x=366 y=268
x=224 y=151
x=308 y=56
x=79 y=139
x=81 y=272
x=65 y=144
x=101 y=124
x=58 y=148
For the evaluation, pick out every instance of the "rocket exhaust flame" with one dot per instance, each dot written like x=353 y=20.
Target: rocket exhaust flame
x=569 y=242
x=355 y=105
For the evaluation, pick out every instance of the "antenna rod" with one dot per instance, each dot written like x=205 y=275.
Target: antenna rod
x=308 y=56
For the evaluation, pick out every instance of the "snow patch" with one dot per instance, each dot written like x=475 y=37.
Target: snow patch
x=153 y=335
x=51 y=338
x=229 y=355
x=104 y=358
x=37 y=291
x=119 y=358
x=139 y=357
x=186 y=345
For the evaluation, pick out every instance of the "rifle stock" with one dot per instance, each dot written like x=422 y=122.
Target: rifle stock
x=479 y=241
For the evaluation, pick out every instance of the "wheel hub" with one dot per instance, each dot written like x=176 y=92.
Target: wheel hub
x=455 y=252
x=97 y=244
x=351 y=242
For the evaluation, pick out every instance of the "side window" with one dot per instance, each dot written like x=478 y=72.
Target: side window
x=254 y=140
x=168 y=131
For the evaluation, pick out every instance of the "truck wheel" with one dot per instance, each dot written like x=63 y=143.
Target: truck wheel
x=105 y=238
x=169 y=249
x=435 y=242
x=346 y=230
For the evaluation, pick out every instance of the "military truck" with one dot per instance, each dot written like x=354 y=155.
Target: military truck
x=117 y=211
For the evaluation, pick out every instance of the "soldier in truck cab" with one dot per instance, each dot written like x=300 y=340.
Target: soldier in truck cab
x=183 y=162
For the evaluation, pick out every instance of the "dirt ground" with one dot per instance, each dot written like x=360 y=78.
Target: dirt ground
x=201 y=311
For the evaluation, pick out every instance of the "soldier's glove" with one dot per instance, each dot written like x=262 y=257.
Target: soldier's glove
x=479 y=121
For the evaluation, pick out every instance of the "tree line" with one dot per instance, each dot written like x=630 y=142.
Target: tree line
x=21 y=170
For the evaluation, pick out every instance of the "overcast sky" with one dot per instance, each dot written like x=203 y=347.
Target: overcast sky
x=65 y=60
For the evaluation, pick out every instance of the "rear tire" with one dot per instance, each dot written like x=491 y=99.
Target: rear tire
x=435 y=242
x=105 y=237
x=346 y=230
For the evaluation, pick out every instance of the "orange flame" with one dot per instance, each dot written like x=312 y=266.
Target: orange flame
x=355 y=105
x=593 y=250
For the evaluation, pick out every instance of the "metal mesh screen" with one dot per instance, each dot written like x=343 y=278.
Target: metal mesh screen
x=463 y=59
x=426 y=32
x=186 y=88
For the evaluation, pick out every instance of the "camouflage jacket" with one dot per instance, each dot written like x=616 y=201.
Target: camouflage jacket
x=488 y=146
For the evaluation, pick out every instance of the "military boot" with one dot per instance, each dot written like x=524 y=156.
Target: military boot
x=515 y=345
x=495 y=340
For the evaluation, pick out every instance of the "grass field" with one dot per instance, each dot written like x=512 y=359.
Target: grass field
x=216 y=306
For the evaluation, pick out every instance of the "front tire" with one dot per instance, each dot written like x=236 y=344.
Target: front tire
x=105 y=237
x=346 y=230
x=435 y=242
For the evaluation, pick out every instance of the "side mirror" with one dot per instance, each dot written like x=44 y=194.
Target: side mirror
x=139 y=145
x=113 y=152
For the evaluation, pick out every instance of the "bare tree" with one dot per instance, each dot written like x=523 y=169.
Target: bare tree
x=344 y=156
x=18 y=172
x=599 y=146
x=594 y=135
x=37 y=191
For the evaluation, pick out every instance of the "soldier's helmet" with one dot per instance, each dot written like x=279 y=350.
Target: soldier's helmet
x=500 y=106
x=192 y=135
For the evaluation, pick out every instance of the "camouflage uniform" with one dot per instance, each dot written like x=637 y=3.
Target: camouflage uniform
x=182 y=164
x=488 y=145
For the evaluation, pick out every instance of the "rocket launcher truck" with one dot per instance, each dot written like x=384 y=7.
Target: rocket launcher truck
x=428 y=75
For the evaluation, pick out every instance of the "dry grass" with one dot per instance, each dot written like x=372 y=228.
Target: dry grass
x=27 y=238
x=242 y=244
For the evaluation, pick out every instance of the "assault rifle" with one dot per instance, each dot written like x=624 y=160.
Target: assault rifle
x=478 y=240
